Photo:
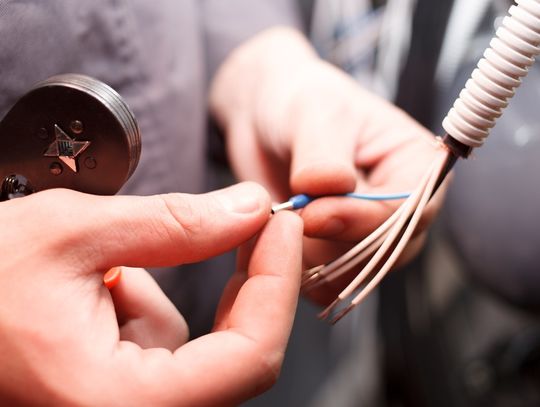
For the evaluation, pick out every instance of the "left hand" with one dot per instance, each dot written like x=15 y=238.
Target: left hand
x=296 y=124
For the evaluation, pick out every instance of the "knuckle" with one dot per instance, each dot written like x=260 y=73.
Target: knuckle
x=49 y=218
x=270 y=368
x=182 y=218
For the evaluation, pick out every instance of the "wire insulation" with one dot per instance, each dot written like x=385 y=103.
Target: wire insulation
x=497 y=76
x=302 y=200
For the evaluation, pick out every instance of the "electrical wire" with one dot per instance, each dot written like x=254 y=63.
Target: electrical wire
x=394 y=243
x=302 y=200
x=468 y=123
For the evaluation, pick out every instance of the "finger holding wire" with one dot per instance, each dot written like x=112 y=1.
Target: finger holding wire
x=361 y=262
x=380 y=252
x=385 y=177
x=394 y=244
x=350 y=218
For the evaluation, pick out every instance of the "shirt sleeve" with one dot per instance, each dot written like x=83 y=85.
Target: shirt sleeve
x=229 y=23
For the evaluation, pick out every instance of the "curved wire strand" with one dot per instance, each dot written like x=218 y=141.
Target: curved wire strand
x=404 y=240
x=394 y=233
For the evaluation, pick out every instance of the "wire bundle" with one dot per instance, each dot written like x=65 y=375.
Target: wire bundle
x=382 y=247
x=467 y=125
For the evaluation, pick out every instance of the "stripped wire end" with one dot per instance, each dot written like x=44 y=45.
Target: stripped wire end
x=342 y=313
x=285 y=206
x=295 y=202
x=328 y=310
x=312 y=275
x=383 y=247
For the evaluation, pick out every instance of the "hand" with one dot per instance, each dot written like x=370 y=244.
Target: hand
x=67 y=341
x=312 y=129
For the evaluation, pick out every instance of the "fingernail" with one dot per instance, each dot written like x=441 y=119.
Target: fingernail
x=333 y=227
x=242 y=198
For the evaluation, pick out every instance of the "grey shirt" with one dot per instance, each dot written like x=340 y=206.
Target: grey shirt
x=159 y=55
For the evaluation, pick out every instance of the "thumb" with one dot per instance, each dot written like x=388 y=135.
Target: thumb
x=162 y=230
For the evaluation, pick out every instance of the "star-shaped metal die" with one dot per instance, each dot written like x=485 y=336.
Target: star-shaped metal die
x=66 y=149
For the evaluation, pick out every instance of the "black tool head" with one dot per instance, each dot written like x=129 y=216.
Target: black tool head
x=70 y=131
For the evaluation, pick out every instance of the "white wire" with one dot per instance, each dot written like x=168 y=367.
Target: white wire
x=498 y=74
x=406 y=235
x=410 y=226
x=368 y=241
x=409 y=207
x=318 y=280
x=411 y=204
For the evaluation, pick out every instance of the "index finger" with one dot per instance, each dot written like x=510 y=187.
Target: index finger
x=227 y=367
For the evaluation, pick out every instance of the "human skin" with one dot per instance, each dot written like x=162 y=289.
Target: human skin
x=312 y=129
x=293 y=123
x=66 y=340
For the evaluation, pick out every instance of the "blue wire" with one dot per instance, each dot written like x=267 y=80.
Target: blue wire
x=379 y=197
x=302 y=200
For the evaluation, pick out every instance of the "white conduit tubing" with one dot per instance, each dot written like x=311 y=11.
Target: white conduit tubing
x=497 y=76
